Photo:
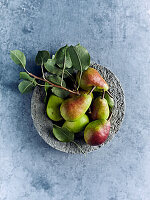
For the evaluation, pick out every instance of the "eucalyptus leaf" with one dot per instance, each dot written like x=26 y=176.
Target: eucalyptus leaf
x=60 y=92
x=42 y=57
x=62 y=134
x=25 y=76
x=18 y=57
x=80 y=57
x=25 y=86
x=63 y=58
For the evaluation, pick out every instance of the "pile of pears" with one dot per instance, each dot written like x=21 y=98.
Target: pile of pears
x=85 y=112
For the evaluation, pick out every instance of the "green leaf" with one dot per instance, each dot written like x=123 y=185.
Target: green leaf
x=47 y=86
x=80 y=57
x=60 y=92
x=25 y=76
x=61 y=56
x=25 y=86
x=56 y=80
x=42 y=57
x=62 y=134
x=53 y=69
x=50 y=67
x=18 y=57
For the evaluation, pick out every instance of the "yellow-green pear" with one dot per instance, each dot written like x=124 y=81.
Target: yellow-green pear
x=78 y=125
x=53 y=108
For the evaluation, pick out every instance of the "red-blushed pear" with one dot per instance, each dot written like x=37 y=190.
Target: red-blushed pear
x=82 y=92
x=100 y=109
x=97 y=132
x=73 y=108
x=90 y=78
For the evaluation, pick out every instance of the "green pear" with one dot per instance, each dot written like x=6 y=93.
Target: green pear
x=90 y=78
x=100 y=109
x=74 y=108
x=97 y=132
x=109 y=99
x=53 y=108
x=78 y=125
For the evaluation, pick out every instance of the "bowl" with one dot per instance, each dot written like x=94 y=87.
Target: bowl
x=44 y=125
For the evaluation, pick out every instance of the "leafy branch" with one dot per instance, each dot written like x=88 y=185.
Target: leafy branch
x=60 y=66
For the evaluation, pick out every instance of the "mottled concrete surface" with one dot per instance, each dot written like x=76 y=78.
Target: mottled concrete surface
x=117 y=35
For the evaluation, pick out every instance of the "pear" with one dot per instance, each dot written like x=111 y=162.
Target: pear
x=109 y=99
x=53 y=108
x=90 y=78
x=100 y=109
x=78 y=125
x=97 y=132
x=74 y=108
x=82 y=92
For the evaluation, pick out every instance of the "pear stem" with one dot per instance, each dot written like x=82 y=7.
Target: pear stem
x=103 y=94
x=92 y=90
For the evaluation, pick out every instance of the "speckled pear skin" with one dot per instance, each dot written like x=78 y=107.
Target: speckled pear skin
x=100 y=109
x=74 y=108
x=53 y=108
x=91 y=77
x=78 y=125
x=97 y=132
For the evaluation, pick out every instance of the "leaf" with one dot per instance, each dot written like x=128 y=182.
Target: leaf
x=80 y=57
x=61 y=55
x=60 y=92
x=53 y=69
x=47 y=86
x=62 y=134
x=25 y=86
x=56 y=80
x=50 y=67
x=18 y=57
x=42 y=57
x=25 y=76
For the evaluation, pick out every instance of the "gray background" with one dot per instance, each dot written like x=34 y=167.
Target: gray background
x=117 y=35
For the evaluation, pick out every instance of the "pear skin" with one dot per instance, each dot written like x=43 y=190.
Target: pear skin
x=100 y=109
x=90 y=78
x=78 y=125
x=82 y=92
x=97 y=132
x=53 y=108
x=74 y=108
